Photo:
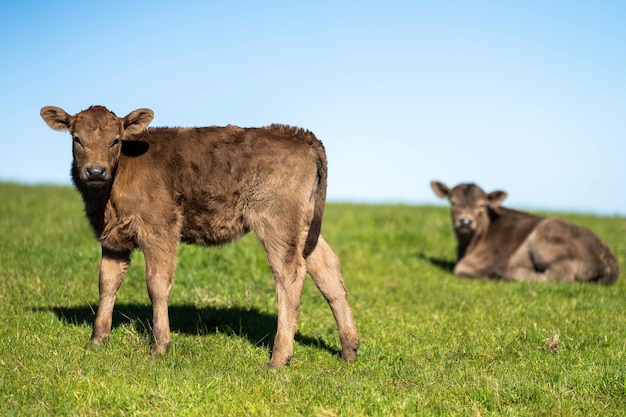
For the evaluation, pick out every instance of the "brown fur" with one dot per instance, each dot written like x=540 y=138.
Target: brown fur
x=151 y=188
x=494 y=241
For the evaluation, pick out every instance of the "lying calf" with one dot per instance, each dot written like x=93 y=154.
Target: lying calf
x=494 y=241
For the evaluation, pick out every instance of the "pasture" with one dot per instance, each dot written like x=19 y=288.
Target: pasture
x=431 y=343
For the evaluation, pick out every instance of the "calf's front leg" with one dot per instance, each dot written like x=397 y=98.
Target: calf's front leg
x=160 y=265
x=113 y=266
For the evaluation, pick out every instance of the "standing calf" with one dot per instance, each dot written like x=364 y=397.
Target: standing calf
x=153 y=188
x=494 y=241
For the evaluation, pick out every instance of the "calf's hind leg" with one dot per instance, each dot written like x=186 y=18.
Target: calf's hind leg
x=323 y=266
x=113 y=266
x=289 y=271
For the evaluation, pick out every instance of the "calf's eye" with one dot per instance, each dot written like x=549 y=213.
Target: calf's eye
x=115 y=142
x=77 y=140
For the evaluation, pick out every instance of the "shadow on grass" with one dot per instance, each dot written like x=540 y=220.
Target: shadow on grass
x=258 y=327
x=440 y=263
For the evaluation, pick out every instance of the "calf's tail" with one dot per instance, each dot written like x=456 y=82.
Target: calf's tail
x=319 y=195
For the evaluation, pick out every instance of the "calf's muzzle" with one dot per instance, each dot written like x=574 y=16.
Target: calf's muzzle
x=465 y=222
x=95 y=174
x=464 y=225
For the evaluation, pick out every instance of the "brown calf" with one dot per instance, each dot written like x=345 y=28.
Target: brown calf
x=153 y=188
x=494 y=241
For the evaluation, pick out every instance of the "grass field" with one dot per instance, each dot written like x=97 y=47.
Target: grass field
x=432 y=344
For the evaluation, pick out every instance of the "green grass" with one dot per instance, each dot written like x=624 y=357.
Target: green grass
x=432 y=344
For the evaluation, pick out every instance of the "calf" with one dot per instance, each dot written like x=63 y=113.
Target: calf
x=150 y=189
x=494 y=241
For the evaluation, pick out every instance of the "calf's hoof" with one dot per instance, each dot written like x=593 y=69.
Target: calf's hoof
x=348 y=355
x=95 y=343
x=349 y=346
x=158 y=350
x=277 y=363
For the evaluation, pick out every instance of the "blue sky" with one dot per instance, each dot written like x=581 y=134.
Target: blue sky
x=528 y=97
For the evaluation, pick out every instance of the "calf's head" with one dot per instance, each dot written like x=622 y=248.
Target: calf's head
x=471 y=206
x=97 y=134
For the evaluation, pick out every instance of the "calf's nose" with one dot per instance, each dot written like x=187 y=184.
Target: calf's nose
x=465 y=222
x=96 y=173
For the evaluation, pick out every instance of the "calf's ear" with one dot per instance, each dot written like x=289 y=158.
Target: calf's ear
x=440 y=189
x=496 y=198
x=56 y=117
x=137 y=120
